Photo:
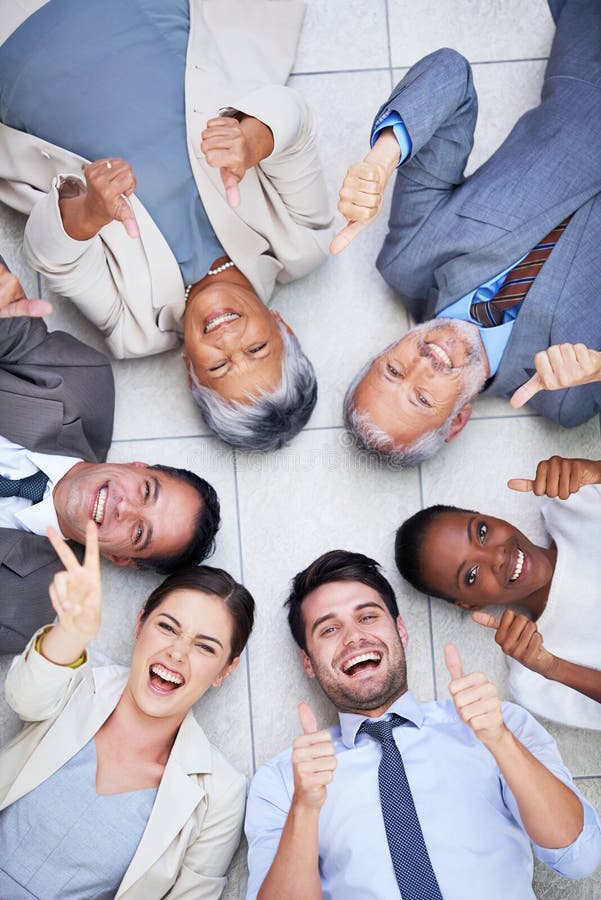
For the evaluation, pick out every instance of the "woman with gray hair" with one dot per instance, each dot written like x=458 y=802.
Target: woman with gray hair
x=229 y=192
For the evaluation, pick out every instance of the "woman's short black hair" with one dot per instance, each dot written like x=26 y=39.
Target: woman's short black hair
x=336 y=565
x=409 y=541
x=210 y=580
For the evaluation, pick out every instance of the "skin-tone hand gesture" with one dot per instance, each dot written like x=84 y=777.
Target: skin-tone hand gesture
x=233 y=147
x=476 y=699
x=109 y=182
x=518 y=637
x=76 y=595
x=561 y=366
x=313 y=761
x=13 y=301
x=559 y=477
x=362 y=191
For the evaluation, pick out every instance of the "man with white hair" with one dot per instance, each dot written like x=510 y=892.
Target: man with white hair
x=503 y=262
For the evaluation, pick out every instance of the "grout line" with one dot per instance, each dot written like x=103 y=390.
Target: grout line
x=387 y=18
x=247 y=652
x=164 y=437
x=391 y=67
x=342 y=71
x=431 y=629
x=586 y=777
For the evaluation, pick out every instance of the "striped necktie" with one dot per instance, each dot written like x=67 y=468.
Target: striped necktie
x=490 y=312
x=410 y=858
x=31 y=488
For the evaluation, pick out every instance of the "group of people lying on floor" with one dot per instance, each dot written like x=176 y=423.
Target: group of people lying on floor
x=189 y=187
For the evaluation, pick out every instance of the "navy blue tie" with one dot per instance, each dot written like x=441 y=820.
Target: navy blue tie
x=410 y=859
x=31 y=488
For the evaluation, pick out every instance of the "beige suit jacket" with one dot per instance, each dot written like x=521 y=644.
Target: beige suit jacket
x=132 y=288
x=196 y=820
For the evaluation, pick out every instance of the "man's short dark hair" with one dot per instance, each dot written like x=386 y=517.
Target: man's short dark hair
x=206 y=525
x=409 y=541
x=336 y=565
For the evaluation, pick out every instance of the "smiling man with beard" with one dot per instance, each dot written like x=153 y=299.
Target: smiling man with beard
x=431 y=800
x=56 y=420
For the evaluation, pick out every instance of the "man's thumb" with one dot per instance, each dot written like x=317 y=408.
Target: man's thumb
x=526 y=391
x=307 y=718
x=346 y=236
x=453 y=661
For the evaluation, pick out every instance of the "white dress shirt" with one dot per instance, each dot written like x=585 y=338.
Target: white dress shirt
x=18 y=462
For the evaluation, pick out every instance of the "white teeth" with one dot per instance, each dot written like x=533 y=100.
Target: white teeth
x=441 y=354
x=518 y=566
x=363 y=657
x=219 y=320
x=166 y=674
x=98 y=511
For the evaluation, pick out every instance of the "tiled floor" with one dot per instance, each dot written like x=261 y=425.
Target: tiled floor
x=282 y=510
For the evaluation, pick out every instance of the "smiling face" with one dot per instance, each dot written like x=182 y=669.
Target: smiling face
x=480 y=561
x=181 y=649
x=355 y=648
x=427 y=377
x=232 y=341
x=140 y=512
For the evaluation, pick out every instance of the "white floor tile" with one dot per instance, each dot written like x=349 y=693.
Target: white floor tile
x=11 y=242
x=490 y=30
x=342 y=34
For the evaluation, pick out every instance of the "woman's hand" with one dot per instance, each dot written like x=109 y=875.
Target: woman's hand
x=76 y=596
x=233 y=147
x=518 y=637
x=109 y=182
x=559 y=477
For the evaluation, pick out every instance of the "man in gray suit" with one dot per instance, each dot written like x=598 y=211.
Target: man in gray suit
x=454 y=242
x=56 y=418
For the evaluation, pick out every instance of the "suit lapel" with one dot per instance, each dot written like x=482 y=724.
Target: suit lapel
x=178 y=796
x=90 y=706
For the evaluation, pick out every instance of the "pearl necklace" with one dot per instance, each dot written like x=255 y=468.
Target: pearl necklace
x=221 y=268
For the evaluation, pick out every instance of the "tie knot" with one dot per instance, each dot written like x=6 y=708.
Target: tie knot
x=382 y=730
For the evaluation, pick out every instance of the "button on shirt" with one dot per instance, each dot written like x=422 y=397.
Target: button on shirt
x=17 y=462
x=468 y=815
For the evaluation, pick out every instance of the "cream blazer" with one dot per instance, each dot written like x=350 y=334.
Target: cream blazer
x=240 y=53
x=196 y=820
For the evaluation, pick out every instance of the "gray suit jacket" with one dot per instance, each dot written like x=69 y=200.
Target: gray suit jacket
x=448 y=235
x=56 y=396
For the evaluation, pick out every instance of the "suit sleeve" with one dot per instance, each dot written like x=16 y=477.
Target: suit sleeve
x=203 y=872
x=580 y=858
x=437 y=103
x=36 y=688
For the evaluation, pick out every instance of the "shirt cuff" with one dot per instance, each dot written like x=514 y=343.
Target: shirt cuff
x=583 y=855
x=394 y=121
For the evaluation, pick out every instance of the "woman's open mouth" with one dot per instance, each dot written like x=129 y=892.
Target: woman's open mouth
x=163 y=680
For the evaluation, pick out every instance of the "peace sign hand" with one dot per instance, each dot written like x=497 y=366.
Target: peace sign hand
x=76 y=593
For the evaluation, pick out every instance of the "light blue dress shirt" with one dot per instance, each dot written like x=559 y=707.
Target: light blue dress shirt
x=469 y=817
x=495 y=338
x=106 y=78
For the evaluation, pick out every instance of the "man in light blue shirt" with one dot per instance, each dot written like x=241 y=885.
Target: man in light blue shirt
x=486 y=779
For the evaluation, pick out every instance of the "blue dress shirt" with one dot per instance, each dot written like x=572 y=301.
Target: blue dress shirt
x=470 y=820
x=107 y=79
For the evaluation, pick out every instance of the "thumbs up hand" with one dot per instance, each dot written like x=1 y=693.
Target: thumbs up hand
x=476 y=700
x=313 y=761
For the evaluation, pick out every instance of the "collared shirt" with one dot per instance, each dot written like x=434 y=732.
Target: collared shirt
x=469 y=817
x=495 y=339
x=18 y=462
x=128 y=102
